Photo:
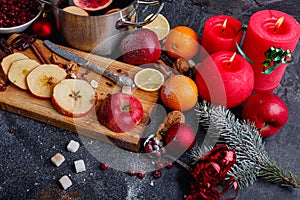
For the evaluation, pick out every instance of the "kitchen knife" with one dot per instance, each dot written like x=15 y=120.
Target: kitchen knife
x=118 y=79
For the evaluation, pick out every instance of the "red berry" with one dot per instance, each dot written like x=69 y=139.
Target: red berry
x=104 y=166
x=141 y=174
x=148 y=148
x=169 y=165
x=159 y=165
x=132 y=172
x=157 y=174
x=3 y=88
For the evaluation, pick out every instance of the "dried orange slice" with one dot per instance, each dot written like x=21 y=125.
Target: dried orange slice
x=159 y=25
x=149 y=79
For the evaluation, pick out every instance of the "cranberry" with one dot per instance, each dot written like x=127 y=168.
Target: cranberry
x=141 y=174
x=169 y=165
x=157 y=174
x=3 y=88
x=104 y=166
x=148 y=148
x=159 y=165
x=132 y=172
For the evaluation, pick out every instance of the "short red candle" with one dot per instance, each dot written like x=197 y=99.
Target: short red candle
x=216 y=38
x=222 y=82
x=262 y=35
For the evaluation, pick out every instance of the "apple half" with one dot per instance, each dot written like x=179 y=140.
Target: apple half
x=74 y=97
x=19 y=70
x=42 y=79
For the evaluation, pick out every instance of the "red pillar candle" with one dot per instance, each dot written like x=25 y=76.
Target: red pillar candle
x=262 y=34
x=220 y=36
x=225 y=78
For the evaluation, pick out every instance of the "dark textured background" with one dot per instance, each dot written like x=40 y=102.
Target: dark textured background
x=26 y=145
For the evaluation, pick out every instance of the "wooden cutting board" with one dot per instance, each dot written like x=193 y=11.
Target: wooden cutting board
x=21 y=102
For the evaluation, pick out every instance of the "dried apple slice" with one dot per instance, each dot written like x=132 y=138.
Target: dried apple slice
x=74 y=97
x=8 y=60
x=42 y=79
x=19 y=70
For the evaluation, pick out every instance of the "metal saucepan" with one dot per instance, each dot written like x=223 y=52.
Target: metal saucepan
x=107 y=30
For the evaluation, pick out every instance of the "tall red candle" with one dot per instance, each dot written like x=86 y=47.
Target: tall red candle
x=225 y=78
x=262 y=34
x=216 y=38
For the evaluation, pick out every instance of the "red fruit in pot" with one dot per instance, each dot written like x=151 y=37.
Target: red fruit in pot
x=92 y=5
x=42 y=27
x=120 y=112
x=140 y=47
x=180 y=137
x=268 y=112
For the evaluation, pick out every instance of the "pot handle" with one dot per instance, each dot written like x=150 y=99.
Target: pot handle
x=124 y=21
x=45 y=2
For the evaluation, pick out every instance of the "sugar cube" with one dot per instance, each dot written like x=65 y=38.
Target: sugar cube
x=65 y=182
x=58 y=159
x=79 y=166
x=73 y=146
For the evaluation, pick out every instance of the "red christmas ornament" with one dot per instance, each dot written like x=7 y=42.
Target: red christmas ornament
x=210 y=171
x=42 y=27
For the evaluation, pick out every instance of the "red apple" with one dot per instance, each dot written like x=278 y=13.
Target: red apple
x=180 y=137
x=268 y=112
x=140 y=47
x=222 y=82
x=120 y=112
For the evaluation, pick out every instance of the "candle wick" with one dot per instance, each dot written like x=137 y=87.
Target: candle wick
x=275 y=28
x=231 y=59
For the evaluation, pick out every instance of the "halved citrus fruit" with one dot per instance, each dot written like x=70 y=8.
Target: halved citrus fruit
x=75 y=10
x=149 y=79
x=92 y=5
x=159 y=25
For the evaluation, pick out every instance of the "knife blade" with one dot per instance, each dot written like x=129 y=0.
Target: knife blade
x=118 y=79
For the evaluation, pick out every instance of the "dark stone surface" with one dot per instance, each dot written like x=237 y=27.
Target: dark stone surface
x=26 y=145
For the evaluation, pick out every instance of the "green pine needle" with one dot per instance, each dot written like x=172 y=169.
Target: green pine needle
x=252 y=159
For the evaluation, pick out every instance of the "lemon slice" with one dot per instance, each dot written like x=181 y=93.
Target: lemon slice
x=159 y=25
x=149 y=79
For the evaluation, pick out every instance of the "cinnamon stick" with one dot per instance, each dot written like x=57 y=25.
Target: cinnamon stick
x=39 y=53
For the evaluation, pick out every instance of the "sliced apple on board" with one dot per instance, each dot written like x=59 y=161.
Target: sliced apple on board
x=19 y=70
x=8 y=60
x=43 y=78
x=74 y=97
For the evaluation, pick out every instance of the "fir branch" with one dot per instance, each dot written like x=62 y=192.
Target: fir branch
x=252 y=159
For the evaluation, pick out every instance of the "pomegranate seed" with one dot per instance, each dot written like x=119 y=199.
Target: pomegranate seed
x=104 y=166
x=157 y=174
